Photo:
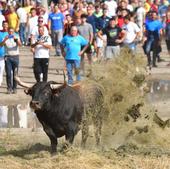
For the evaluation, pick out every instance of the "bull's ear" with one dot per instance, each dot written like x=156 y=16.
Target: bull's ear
x=28 y=91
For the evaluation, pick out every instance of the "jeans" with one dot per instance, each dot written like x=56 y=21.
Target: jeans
x=57 y=36
x=152 y=44
x=70 y=64
x=22 y=27
x=11 y=67
x=1 y=69
x=41 y=67
x=131 y=46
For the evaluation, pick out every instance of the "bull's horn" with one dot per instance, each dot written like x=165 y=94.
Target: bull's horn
x=56 y=86
x=23 y=84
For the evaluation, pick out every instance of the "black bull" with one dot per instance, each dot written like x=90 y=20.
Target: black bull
x=62 y=110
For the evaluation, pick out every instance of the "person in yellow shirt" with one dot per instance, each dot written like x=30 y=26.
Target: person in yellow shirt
x=147 y=5
x=28 y=6
x=13 y=19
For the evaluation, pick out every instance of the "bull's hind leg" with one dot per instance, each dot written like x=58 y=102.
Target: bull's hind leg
x=85 y=133
x=70 y=134
x=97 y=129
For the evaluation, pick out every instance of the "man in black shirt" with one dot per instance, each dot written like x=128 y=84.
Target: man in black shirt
x=115 y=36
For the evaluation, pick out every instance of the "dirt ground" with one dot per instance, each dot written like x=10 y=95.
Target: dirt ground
x=127 y=147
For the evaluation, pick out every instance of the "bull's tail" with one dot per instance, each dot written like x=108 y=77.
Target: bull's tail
x=64 y=74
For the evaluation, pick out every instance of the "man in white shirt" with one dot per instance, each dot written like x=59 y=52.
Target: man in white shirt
x=112 y=6
x=35 y=33
x=140 y=16
x=32 y=22
x=2 y=18
x=22 y=22
x=132 y=33
x=41 y=55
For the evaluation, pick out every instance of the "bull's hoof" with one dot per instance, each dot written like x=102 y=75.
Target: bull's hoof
x=83 y=145
x=53 y=153
x=65 y=146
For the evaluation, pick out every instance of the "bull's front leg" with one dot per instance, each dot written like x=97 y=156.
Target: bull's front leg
x=54 y=143
x=71 y=131
x=52 y=138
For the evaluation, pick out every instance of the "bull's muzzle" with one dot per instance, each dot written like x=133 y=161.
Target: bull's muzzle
x=35 y=105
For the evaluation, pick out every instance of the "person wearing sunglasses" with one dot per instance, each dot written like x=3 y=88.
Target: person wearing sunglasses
x=35 y=32
x=40 y=49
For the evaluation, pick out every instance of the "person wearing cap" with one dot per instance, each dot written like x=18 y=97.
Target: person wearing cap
x=71 y=50
x=112 y=32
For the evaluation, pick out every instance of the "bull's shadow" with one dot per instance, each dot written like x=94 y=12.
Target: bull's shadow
x=23 y=153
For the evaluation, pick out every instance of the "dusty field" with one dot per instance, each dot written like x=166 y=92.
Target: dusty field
x=128 y=144
x=30 y=150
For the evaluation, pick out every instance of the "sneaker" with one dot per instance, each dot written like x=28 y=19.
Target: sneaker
x=14 y=91
x=58 y=54
x=8 y=91
x=160 y=60
x=154 y=65
x=149 y=67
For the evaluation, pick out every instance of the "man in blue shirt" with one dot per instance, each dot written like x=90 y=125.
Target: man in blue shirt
x=3 y=34
x=55 y=24
x=71 y=50
x=153 y=35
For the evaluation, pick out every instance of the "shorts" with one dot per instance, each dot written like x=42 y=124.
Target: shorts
x=112 y=52
x=99 y=42
x=88 y=50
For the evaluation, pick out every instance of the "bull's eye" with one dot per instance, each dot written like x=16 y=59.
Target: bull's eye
x=46 y=93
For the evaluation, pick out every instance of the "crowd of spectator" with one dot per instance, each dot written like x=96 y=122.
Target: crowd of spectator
x=79 y=28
